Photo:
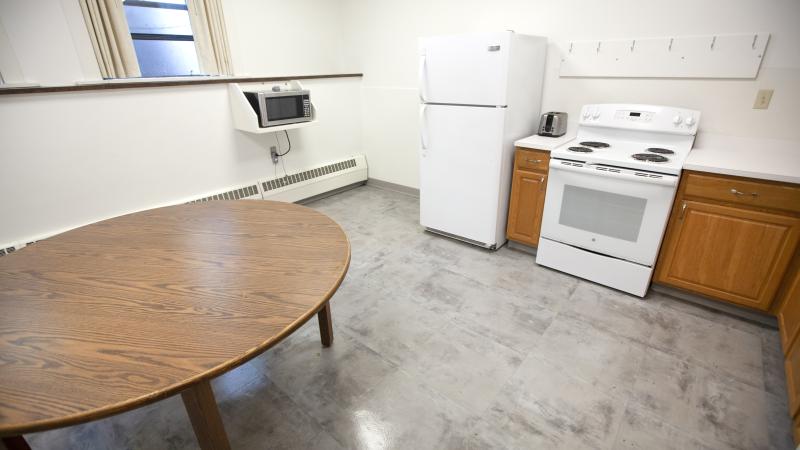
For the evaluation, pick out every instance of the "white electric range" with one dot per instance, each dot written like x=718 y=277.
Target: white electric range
x=610 y=192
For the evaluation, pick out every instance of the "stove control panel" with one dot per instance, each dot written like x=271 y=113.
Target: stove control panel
x=651 y=118
x=634 y=116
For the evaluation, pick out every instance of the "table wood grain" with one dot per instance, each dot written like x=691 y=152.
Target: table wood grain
x=114 y=315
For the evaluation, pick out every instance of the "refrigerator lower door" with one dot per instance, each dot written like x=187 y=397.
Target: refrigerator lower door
x=469 y=69
x=460 y=164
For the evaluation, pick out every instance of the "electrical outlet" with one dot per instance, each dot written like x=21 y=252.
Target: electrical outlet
x=273 y=152
x=763 y=98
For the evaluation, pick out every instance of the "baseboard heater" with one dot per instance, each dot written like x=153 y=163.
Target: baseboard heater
x=293 y=187
x=298 y=186
x=315 y=180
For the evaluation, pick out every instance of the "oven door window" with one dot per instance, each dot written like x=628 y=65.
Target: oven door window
x=604 y=213
x=282 y=108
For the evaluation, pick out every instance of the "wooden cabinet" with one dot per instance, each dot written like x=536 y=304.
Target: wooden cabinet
x=528 y=189
x=719 y=246
x=796 y=431
x=792 y=364
x=789 y=308
x=788 y=313
x=729 y=253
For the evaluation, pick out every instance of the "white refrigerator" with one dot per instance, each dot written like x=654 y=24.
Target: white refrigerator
x=479 y=93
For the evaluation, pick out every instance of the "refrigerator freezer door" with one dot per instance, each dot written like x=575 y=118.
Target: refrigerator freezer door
x=460 y=158
x=465 y=70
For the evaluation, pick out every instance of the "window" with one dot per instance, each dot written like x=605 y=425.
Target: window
x=162 y=37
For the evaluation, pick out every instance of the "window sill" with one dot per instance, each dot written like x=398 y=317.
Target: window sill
x=132 y=83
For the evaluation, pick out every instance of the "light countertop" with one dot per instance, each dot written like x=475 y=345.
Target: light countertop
x=545 y=142
x=766 y=159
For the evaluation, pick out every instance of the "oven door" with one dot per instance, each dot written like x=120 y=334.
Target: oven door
x=608 y=210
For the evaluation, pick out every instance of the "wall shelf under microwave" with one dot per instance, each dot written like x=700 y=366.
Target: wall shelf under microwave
x=245 y=119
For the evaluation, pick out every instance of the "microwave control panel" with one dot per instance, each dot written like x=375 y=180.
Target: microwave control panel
x=306 y=107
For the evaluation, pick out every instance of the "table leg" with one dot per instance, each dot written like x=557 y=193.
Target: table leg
x=206 y=421
x=15 y=443
x=325 y=325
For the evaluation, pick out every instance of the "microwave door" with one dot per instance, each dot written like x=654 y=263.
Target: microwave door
x=284 y=110
x=615 y=214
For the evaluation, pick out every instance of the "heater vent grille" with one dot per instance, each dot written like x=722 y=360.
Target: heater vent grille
x=307 y=175
x=235 y=194
x=12 y=249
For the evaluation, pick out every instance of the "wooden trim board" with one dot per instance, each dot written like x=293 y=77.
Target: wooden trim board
x=143 y=83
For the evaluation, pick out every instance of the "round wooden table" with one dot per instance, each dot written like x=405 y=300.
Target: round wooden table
x=121 y=313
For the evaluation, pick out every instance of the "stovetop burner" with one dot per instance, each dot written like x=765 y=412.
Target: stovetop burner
x=580 y=149
x=650 y=157
x=595 y=144
x=661 y=151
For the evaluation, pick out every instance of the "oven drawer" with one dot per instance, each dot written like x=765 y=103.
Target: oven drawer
x=743 y=191
x=537 y=160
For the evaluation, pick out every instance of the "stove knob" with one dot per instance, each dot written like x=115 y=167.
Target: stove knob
x=596 y=114
x=586 y=113
x=689 y=121
x=677 y=120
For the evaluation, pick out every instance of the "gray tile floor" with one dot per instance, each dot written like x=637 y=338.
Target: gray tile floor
x=443 y=345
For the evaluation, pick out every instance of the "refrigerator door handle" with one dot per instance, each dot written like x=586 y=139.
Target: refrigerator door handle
x=423 y=92
x=422 y=129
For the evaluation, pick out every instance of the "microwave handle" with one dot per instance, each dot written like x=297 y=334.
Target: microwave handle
x=423 y=91
x=423 y=132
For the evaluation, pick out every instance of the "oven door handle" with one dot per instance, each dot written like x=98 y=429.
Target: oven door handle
x=594 y=169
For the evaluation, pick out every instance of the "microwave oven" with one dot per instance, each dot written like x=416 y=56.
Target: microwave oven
x=280 y=107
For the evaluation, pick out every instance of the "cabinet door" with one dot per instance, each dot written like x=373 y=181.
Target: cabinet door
x=728 y=253
x=789 y=312
x=792 y=367
x=527 y=203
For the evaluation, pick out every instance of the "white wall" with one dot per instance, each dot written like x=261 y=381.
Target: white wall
x=48 y=40
x=298 y=37
x=381 y=41
x=74 y=158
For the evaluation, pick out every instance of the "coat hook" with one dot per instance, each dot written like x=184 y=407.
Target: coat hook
x=598 y=46
x=755 y=38
x=633 y=44
x=671 y=40
x=713 y=41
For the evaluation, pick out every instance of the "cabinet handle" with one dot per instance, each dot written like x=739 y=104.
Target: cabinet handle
x=534 y=161
x=734 y=191
x=683 y=211
x=541 y=183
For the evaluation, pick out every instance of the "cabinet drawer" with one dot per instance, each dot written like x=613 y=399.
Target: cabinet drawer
x=537 y=160
x=744 y=192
